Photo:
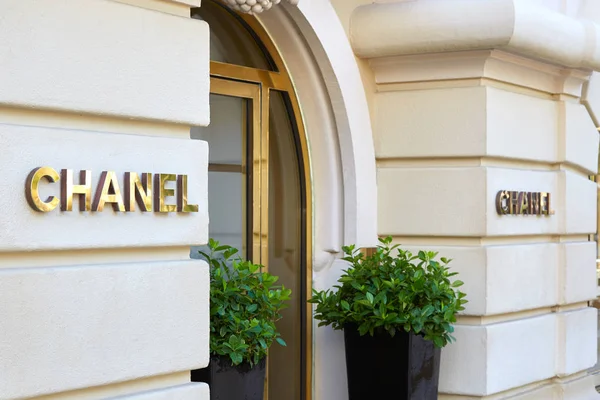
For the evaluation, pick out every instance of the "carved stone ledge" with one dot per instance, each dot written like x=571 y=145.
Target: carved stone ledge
x=254 y=6
x=444 y=26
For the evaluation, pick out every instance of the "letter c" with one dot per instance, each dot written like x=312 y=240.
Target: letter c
x=502 y=199
x=32 y=192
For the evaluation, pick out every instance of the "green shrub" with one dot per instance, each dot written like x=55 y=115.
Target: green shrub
x=244 y=306
x=390 y=292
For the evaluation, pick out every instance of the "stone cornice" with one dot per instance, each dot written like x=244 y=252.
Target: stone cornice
x=494 y=65
x=435 y=26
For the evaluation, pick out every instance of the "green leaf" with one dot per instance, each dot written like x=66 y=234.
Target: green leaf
x=427 y=310
x=363 y=329
x=252 y=307
x=381 y=297
x=255 y=329
x=370 y=297
x=281 y=342
x=236 y=358
x=345 y=305
x=448 y=314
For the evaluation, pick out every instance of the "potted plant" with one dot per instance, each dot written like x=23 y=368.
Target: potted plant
x=245 y=303
x=396 y=310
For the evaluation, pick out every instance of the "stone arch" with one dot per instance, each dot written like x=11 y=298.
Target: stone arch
x=322 y=66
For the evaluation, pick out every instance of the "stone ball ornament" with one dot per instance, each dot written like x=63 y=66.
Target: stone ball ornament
x=254 y=6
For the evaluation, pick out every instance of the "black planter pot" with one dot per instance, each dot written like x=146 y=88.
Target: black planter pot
x=403 y=367
x=228 y=382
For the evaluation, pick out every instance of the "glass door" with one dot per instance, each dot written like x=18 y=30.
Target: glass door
x=256 y=204
x=259 y=190
x=234 y=170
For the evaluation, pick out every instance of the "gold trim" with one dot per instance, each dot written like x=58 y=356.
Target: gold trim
x=256 y=162
x=247 y=128
x=264 y=176
x=231 y=88
x=270 y=79
x=264 y=197
x=226 y=168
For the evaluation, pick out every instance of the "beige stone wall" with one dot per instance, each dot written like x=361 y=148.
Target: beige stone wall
x=101 y=305
x=443 y=154
x=457 y=124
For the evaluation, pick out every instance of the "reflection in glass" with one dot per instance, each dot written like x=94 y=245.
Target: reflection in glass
x=225 y=132
x=230 y=39
x=285 y=249
x=227 y=182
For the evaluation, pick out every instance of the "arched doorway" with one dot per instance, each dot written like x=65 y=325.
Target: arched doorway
x=259 y=193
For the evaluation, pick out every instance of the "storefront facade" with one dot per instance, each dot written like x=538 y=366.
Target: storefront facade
x=288 y=133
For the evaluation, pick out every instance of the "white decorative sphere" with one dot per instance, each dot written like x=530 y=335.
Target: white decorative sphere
x=252 y=6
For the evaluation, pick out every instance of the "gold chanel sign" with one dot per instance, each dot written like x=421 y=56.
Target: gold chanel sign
x=146 y=191
x=523 y=203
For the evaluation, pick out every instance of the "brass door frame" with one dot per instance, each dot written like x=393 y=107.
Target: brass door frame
x=266 y=81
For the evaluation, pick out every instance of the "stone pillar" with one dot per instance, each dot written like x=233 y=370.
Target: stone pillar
x=107 y=303
x=473 y=98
